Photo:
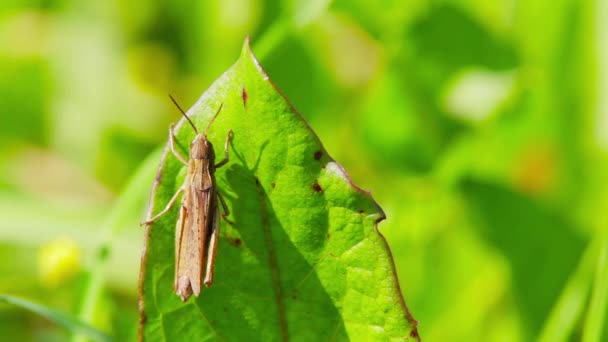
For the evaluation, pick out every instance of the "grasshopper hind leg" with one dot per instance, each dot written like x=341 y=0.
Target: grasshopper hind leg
x=212 y=248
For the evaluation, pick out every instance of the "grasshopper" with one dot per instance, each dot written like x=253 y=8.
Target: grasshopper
x=196 y=233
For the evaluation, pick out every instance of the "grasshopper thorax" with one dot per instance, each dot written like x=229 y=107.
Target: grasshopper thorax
x=201 y=148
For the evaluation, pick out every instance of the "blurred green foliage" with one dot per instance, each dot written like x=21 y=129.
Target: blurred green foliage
x=481 y=127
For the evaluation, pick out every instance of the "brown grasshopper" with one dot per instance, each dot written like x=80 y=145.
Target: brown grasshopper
x=196 y=233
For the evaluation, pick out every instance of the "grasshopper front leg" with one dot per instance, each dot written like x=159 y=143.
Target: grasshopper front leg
x=180 y=190
x=167 y=208
x=225 y=160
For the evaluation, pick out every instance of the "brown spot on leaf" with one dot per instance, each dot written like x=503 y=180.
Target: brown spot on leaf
x=316 y=187
x=361 y=211
x=273 y=185
x=236 y=242
x=414 y=333
x=318 y=155
x=245 y=97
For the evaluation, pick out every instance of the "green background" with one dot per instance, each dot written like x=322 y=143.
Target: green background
x=481 y=128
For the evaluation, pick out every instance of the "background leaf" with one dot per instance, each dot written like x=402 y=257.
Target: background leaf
x=518 y=227
x=302 y=260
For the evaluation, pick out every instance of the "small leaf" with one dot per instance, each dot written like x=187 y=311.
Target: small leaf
x=59 y=318
x=302 y=259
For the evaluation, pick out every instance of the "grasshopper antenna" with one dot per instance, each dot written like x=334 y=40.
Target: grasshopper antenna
x=213 y=118
x=184 y=114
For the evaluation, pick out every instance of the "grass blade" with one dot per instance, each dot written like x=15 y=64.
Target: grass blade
x=599 y=298
x=570 y=306
x=59 y=318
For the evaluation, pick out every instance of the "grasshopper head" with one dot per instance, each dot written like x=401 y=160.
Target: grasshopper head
x=201 y=148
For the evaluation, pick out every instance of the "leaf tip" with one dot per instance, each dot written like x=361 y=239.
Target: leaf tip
x=247 y=43
x=246 y=49
x=247 y=54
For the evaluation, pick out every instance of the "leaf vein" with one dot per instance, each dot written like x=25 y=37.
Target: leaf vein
x=208 y=322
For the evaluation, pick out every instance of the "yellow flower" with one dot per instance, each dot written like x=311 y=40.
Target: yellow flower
x=59 y=261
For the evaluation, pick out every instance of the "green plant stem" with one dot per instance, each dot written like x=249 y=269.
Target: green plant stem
x=273 y=37
x=123 y=209
x=592 y=331
x=284 y=27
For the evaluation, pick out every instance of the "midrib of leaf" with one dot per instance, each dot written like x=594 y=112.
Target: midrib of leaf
x=272 y=258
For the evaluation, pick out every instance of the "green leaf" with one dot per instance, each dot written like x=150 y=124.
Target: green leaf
x=302 y=259
x=59 y=318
